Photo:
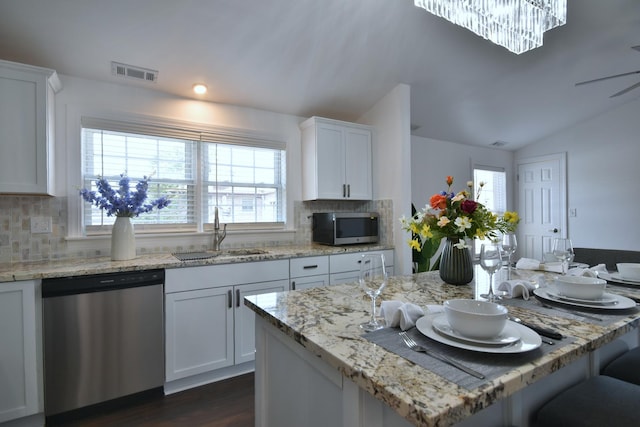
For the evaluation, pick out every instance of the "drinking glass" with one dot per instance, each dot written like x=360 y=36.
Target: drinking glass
x=509 y=246
x=563 y=251
x=490 y=261
x=373 y=279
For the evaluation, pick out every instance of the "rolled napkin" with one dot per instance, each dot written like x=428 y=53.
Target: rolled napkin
x=588 y=272
x=516 y=288
x=528 y=264
x=398 y=313
x=534 y=264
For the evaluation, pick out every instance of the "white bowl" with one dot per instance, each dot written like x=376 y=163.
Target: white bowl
x=629 y=270
x=475 y=319
x=587 y=288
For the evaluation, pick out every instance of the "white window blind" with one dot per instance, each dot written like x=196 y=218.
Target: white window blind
x=243 y=175
x=493 y=194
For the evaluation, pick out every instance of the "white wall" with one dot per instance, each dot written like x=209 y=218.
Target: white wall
x=391 y=163
x=603 y=177
x=432 y=160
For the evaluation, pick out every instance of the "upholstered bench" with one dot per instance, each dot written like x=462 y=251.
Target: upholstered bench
x=598 y=401
x=609 y=257
x=625 y=367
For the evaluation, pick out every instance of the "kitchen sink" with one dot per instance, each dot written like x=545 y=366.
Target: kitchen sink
x=192 y=256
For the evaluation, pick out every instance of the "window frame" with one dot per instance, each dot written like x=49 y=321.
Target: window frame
x=199 y=134
x=495 y=169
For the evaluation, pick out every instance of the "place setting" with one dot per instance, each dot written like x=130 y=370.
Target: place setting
x=628 y=274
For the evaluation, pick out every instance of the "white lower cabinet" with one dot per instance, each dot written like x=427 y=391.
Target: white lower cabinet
x=20 y=350
x=208 y=327
x=309 y=272
x=345 y=268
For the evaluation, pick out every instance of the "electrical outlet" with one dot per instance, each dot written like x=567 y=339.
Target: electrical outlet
x=40 y=224
x=573 y=212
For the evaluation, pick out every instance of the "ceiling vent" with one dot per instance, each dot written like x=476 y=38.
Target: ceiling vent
x=499 y=144
x=133 y=72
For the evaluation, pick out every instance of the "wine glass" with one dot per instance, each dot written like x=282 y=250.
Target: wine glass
x=563 y=251
x=490 y=261
x=373 y=278
x=509 y=245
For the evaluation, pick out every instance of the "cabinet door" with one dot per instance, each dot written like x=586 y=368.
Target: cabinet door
x=245 y=347
x=307 y=282
x=199 y=331
x=330 y=162
x=24 y=166
x=358 y=164
x=18 y=357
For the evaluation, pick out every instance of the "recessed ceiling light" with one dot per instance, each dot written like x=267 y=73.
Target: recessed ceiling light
x=200 y=88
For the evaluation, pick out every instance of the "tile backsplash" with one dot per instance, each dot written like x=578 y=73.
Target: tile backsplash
x=19 y=244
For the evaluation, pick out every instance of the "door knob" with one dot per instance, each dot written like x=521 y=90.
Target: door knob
x=555 y=230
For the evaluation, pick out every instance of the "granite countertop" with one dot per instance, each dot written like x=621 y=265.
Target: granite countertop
x=325 y=322
x=79 y=267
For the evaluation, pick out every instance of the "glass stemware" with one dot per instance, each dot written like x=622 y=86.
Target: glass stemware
x=373 y=279
x=563 y=251
x=509 y=245
x=490 y=261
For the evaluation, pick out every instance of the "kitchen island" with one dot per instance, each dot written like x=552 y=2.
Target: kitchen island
x=314 y=367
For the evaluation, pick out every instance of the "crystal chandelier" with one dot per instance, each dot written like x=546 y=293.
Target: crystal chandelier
x=517 y=25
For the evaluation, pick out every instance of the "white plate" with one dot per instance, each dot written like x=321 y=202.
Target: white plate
x=615 y=277
x=623 y=303
x=607 y=299
x=529 y=340
x=509 y=334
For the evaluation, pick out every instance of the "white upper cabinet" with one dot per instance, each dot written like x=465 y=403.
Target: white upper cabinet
x=336 y=160
x=26 y=128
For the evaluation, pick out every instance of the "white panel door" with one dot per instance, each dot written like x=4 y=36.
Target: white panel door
x=245 y=344
x=358 y=164
x=330 y=162
x=541 y=203
x=199 y=331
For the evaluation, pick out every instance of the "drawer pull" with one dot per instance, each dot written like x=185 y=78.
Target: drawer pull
x=309 y=267
x=230 y=297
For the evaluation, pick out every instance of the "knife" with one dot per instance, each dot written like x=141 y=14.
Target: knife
x=549 y=333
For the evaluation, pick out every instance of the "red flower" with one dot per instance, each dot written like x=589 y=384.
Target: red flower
x=468 y=206
x=438 y=201
x=449 y=180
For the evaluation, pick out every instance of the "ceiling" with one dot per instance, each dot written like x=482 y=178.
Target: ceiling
x=337 y=58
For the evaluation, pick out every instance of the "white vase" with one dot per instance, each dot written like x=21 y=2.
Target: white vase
x=123 y=239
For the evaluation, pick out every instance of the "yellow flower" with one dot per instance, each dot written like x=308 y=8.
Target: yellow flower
x=414 y=244
x=425 y=232
x=511 y=217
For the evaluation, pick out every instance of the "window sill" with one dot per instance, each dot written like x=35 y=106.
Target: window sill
x=156 y=242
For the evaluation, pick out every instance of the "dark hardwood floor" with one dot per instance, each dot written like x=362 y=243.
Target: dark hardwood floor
x=227 y=403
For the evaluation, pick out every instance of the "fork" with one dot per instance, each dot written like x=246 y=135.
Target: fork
x=441 y=357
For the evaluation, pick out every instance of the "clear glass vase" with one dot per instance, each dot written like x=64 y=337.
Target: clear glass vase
x=456 y=266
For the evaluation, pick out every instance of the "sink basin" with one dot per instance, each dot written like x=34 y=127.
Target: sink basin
x=192 y=256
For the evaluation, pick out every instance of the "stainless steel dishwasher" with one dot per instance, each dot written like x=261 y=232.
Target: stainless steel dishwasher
x=103 y=337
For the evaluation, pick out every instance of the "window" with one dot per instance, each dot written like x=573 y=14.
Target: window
x=493 y=194
x=243 y=176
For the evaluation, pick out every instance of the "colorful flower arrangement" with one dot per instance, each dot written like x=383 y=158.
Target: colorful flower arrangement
x=455 y=215
x=123 y=201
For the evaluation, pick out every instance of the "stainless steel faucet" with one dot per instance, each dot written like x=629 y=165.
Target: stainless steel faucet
x=217 y=236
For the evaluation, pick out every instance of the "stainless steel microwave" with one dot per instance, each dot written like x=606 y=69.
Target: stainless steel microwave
x=338 y=228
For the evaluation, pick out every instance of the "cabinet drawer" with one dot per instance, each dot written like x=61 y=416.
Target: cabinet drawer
x=308 y=266
x=212 y=276
x=351 y=262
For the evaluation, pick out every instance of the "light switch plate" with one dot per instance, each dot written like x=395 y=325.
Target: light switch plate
x=41 y=224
